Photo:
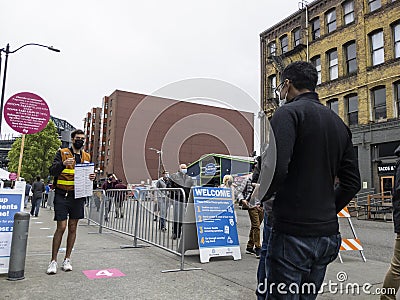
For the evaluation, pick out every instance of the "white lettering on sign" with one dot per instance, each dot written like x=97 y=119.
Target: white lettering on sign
x=104 y=273
x=213 y=193
x=386 y=168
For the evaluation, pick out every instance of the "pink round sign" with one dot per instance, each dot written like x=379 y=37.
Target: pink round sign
x=26 y=113
x=12 y=176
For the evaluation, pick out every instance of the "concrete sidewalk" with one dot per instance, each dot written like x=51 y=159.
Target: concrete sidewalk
x=220 y=279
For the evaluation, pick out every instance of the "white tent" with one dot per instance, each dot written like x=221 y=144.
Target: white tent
x=4 y=175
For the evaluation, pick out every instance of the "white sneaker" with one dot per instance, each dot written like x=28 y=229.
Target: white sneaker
x=66 y=265
x=52 y=268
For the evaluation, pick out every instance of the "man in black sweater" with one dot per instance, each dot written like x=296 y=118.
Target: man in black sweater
x=313 y=145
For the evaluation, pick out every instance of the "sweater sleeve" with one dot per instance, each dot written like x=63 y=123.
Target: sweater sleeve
x=57 y=166
x=275 y=161
x=349 y=178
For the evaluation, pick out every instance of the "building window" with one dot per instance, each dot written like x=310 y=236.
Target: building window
x=316 y=61
x=315 y=29
x=379 y=102
x=351 y=60
x=106 y=106
x=331 y=20
x=333 y=64
x=348 y=12
x=374 y=4
x=271 y=86
x=296 y=37
x=377 y=49
x=352 y=109
x=110 y=113
x=397 y=97
x=105 y=116
x=109 y=142
x=272 y=49
x=108 y=151
x=284 y=44
x=396 y=39
x=334 y=105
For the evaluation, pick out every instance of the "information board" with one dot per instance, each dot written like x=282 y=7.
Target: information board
x=216 y=223
x=11 y=202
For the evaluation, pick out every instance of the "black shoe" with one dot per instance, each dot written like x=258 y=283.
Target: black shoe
x=155 y=219
x=173 y=236
x=122 y=216
x=36 y=216
x=258 y=252
x=250 y=251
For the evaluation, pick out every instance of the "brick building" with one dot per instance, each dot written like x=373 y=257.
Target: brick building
x=92 y=123
x=355 y=46
x=135 y=127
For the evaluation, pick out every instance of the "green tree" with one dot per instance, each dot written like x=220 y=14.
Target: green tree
x=39 y=151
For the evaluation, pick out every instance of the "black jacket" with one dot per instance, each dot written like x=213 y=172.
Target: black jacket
x=313 y=145
x=37 y=190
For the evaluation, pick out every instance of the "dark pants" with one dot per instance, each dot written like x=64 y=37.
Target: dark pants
x=35 y=206
x=178 y=217
x=296 y=265
x=262 y=272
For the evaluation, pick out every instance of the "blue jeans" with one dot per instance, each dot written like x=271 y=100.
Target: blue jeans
x=162 y=206
x=262 y=272
x=296 y=265
x=35 y=206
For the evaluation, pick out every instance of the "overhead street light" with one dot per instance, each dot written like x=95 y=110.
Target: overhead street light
x=7 y=52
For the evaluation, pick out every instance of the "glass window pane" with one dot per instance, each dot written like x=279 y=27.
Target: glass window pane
x=380 y=112
x=378 y=57
x=351 y=51
x=284 y=44
x=353 y=118
x=315 y=29
x=334 y=105
x=379 y=97
x=348 y=18
x=272 y=48
x=353 y=103
x=374 y=4
x=377 y=40
x=352 y=66
x=397 y=50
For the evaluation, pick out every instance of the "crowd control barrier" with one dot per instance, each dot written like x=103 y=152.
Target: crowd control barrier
x=153 y=216
x=353 y=244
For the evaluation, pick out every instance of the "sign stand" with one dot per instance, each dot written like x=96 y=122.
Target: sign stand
x=210 y=224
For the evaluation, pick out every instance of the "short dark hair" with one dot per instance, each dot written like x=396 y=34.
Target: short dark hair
x=302 y=74
x=38 y=178
x=75 y=132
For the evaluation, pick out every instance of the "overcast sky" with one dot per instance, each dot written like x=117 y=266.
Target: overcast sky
x=137 y=46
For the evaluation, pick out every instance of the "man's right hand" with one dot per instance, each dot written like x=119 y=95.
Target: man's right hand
x=69 y=162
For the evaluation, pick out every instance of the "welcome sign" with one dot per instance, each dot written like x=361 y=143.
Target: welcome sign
x=216 y=223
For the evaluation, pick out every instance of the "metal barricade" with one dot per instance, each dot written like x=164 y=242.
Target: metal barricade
x=153 y=216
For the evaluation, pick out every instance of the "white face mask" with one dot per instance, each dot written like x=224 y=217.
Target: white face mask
x=284 y=100
x=184 y=171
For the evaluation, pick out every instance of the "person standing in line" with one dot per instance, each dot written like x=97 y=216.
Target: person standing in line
x=392 y=278
x=162 y=198
x=109 y=184
x=255 y=211
x=27 y=192
x=180 y=179
x=119 y=198
x=68 y=210
x=37 y=190
x=313 y=145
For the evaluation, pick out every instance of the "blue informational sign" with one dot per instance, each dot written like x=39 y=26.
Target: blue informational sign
x=210 y=169
x=11 y=202
x=9 y=205
x=216 y=223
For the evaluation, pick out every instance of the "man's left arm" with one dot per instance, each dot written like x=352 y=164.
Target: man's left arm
x=275 y=161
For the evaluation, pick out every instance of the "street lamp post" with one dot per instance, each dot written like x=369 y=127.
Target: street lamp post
x=7 y=52
x=159 y=152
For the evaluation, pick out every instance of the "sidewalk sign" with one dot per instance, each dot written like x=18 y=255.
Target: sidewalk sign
x=210 y=217
x=11 y=202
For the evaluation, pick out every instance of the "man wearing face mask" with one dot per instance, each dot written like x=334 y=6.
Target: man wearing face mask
x=67 y=209
x=180 y=180
x=313 y=146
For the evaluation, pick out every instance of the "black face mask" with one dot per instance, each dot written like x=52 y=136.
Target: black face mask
x=78 y=144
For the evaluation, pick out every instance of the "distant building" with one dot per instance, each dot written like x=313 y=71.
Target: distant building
x=64 y=130
x=135 y=126
x=92 y=123
x=355 y=46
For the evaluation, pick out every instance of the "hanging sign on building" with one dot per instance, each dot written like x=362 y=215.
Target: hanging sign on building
x=386 y=168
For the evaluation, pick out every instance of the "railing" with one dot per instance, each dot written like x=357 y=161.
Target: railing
x=153 y=216
x=376 y=204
